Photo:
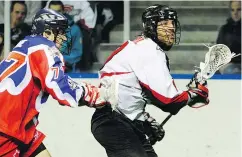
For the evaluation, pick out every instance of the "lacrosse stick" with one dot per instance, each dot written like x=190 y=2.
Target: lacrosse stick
x=165 y=120
x=217 y=56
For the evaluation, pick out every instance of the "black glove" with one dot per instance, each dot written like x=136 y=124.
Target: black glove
x=153 y=129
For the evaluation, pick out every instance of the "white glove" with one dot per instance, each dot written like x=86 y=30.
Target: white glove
x=99 y=97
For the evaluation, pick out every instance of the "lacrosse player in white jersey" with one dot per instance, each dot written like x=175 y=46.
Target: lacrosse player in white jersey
x=142 y=68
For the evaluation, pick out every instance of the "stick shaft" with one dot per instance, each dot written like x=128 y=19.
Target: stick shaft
x=165 y=120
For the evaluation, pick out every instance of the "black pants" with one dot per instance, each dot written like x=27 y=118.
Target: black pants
x=120 y=136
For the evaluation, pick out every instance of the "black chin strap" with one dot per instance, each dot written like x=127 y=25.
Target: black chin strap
x=163 y=45
x=168 y=63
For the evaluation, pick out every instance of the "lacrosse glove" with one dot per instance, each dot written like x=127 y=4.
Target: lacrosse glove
x=153 y=129
x=98 y=97
x=91 y=96
x=198 y=93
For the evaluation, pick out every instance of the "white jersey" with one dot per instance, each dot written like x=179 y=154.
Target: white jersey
x=143 y=73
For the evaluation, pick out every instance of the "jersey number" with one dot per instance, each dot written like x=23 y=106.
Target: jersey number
x=19 y=59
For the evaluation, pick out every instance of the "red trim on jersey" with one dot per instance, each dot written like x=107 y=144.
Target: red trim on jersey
x=180 y=98
x=138 y=39
x=116 y=51
x=113 y=73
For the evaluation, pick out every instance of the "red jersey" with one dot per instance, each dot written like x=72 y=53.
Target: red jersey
x=32 y=71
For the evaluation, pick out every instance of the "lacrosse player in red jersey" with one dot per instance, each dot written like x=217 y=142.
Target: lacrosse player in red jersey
x=34 y=70
x=142 y=69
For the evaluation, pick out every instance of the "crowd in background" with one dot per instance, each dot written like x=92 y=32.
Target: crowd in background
x=230 y=35
x=91 y=23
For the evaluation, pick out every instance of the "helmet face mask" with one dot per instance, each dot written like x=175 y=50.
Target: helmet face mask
x=152 y=19
x=53 y=26
x=166 y=32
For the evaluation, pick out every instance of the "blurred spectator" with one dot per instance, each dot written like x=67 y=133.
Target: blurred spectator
x=84 y=14
x=74 y=36
x=1 y=47
x=104 y=22
x=33 y=6
x=110 y=13
x=19 y=29
x=96 y=20
x=230 y=35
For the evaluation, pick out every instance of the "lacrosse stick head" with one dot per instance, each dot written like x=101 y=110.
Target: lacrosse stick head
x=217 y=56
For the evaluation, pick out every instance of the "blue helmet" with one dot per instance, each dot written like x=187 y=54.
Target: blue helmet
x=155 y=13
x=47 y=19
